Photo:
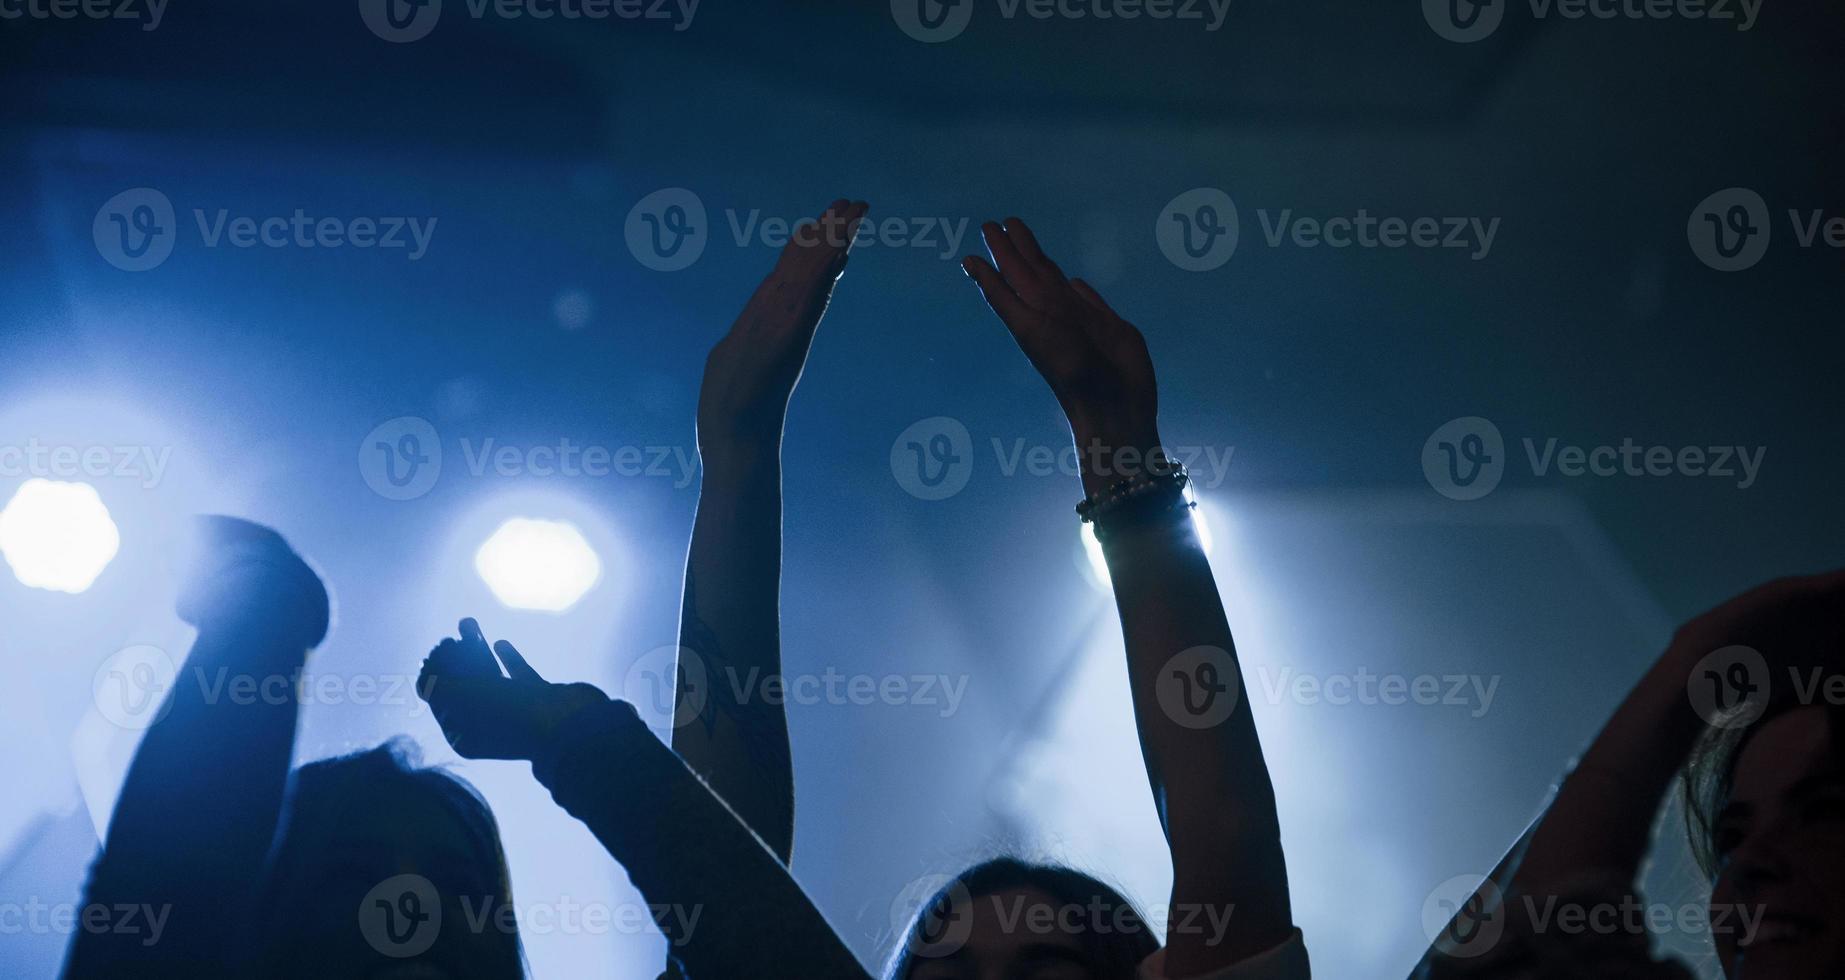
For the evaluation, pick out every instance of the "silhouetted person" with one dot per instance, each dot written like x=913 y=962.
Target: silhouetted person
x=681 y=846
x=265 y=874
x=1216 y=802
x=1763 y=757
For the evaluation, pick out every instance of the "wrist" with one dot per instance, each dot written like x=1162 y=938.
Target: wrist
x=1107 y=457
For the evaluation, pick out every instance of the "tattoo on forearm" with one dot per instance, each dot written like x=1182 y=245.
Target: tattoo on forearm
x=761 y=727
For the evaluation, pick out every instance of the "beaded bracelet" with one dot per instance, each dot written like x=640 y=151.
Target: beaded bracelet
x=1138 y=499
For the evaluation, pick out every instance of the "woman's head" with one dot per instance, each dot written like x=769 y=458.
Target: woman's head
x=385 y=869
x=1766 y=807
x=1012 y=920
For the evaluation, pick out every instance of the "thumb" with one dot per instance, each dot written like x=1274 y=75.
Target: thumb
x=516 y=667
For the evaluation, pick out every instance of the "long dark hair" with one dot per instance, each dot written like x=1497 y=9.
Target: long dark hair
x=1710 y=777
x=327 y=792
x=1115 y=952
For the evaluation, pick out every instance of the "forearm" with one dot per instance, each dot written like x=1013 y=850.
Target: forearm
x=199 y=808
x=1602 y=815
x=730 y=620
x=1208 y=774
x=1217 y=803
x=730 y=908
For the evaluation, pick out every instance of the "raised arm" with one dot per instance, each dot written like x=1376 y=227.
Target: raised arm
x=1595 y=834
x=730 y=611
x=1601 y=818
x=733 y=909
x=198 y=811
x=1206 y=767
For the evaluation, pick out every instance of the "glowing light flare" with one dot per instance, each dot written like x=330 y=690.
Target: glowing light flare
x=57 y=536
x=1097 y=565
x=538 y=564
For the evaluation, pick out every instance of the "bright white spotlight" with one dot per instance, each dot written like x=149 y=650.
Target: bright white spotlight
x=534 y=564
x=57 y=536
x=1098 y=565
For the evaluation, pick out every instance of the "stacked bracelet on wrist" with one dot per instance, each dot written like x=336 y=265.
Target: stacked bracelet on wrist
x=1153 y=496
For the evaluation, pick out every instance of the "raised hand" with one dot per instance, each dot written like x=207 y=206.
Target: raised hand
x=233 y=570
x=752 y=372
x=1798 y=620
x=1095 y=362
x=487 y=714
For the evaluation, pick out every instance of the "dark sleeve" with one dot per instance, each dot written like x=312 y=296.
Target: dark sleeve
x=686 y=851
x=197 y=814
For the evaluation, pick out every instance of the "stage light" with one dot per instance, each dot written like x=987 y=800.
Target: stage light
x=57 y=536
x=1097 y=565
x=538 y=564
